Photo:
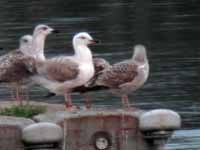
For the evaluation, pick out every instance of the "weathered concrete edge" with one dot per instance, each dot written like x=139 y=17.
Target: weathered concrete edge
x=59 y=116
x=15 y=121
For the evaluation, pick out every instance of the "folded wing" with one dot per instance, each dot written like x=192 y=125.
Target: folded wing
x=117 y=75
x=15 y=66
x=59 y=70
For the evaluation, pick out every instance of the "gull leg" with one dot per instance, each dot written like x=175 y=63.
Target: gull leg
x=125 y=101
x=12 y=93
x=68 y=102
x=87 y=101
x=27 y=98
x=126 y=104
x=18 y=98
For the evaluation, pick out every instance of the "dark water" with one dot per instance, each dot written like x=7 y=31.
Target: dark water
x=169 y=28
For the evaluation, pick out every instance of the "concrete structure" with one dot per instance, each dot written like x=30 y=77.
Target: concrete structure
x=159 y=119
x=118 y=129
x=157 y=126
x=99 y=129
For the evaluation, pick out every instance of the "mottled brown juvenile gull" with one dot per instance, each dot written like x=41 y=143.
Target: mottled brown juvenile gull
x=15 y=65
x=61 y=74
x=127 y=76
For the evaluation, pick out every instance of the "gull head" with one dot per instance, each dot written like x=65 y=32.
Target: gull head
x=139 y=54
x=100 y=64
x=25 y=42
x=83 y=38
x=44 y=30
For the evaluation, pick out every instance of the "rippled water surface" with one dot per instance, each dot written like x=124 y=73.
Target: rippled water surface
x=169 y=28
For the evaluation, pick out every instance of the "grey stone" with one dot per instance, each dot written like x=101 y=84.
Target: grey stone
x=42 y=133
x=15 y=121
x=159 y=119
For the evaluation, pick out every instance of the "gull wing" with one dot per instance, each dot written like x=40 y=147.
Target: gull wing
x=118 y=74
x=59 y=70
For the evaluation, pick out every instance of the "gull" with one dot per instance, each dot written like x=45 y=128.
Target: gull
x=14 y=66
x=40 y=34
x=17 y=66
x=127 y=76
x=121 y=78
x=99 y=65
x=61 y=74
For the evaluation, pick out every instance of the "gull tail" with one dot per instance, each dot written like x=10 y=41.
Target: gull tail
x=49 y=95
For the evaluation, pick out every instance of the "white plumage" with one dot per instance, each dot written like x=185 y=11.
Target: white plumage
x=61 y=74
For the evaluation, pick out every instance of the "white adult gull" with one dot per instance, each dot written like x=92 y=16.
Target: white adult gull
x=127 y=76
x=62 y=74
x=40 y=34
x=99 y=65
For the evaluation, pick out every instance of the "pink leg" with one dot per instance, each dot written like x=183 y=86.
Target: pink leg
x=125 y=101
x=68 y=102
x=87 y=101
x=12 y=93
x=27 y=96
x=18 y=98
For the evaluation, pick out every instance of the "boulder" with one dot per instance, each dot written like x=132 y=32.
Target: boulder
x=159 y=119
x=42 y=133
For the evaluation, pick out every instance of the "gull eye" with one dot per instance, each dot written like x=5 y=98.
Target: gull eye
x=25 y=40
x=83 y=37
x=44 y=28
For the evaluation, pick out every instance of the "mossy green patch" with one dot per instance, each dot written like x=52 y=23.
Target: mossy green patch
x=27 y=111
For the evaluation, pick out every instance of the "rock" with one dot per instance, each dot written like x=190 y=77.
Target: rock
x=15 y=121
x=159 y=119
x=42 y=133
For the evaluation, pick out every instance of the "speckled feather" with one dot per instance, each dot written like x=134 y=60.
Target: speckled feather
x=15 y=66
x=100 y=64
x=118 y=74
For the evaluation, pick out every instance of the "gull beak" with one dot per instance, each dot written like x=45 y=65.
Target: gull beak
x=52 y=30
x=94 y=41
x=55 y=31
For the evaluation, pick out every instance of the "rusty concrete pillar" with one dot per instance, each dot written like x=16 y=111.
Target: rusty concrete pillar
x=114 y=129
x=103 y=130
x=157 y=127
x=42 y=136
